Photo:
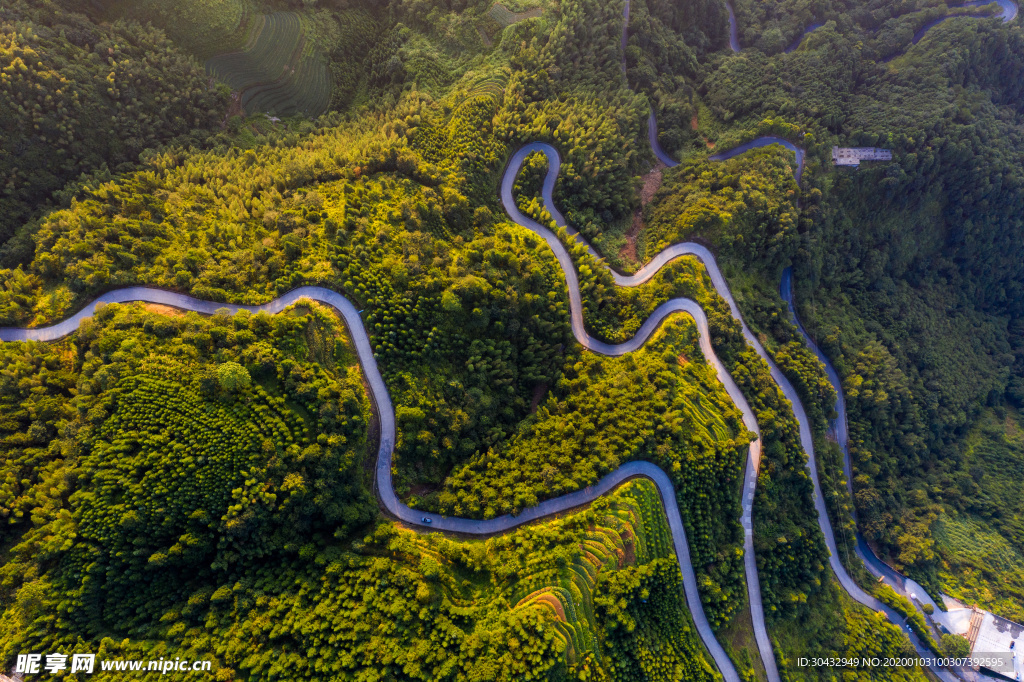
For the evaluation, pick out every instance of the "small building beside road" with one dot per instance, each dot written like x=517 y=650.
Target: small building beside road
x=852 y=156
x=997 y=636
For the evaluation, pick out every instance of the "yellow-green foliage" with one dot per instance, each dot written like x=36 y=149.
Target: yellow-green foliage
x=147 y=454
x=461 y=144
x=431 y=608
x=213 y=223
x=528 y=185
x=745 y=205
x=596 y=135
x=601 y=415
x=211 y=498
x=690 y=428
x=834 y=625
x=358 y=212
x=632 y=532
x=788 y=541
x=956 y=646
x=979 y=566
x=616 y=313
x=77 y=95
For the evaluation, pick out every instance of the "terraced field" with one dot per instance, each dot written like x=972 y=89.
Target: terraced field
x=976 y=559
x=491 y=86
x=625 y=530
x=273 y=73
x=982 y=547
x=632 y=533
x=506 y=17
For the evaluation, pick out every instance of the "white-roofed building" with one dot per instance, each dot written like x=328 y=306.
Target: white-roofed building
x=1004 y=638
x=852 y=156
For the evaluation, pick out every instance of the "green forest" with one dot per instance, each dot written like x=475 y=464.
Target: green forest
x=174 y=484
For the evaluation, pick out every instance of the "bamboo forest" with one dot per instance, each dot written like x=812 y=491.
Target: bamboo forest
x=495 y=340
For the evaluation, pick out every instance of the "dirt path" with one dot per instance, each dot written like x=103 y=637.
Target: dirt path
x=652 y=181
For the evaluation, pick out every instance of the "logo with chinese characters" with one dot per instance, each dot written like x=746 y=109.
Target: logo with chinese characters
x=54 y=663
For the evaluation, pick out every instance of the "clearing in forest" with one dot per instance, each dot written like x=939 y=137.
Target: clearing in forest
x=275 y=73
x=506 y=17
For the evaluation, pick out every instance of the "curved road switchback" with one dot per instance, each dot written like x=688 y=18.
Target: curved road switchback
x=838 y=428
x=1007 y=12
x=752 y=579
x=874 y=565
x=796 y=43
x=648 y=327
x=381 y=398
x=764 y=142
x=662 y=156
x=652 y=122
x=386 y=414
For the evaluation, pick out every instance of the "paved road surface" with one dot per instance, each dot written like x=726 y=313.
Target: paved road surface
x=386 y=414
x=382 y=400
x=796 y=43
x=838 y=428
x=385 y=409
x=722 y=287
x=764 y=142
x=734 y=34
x=1007 y=12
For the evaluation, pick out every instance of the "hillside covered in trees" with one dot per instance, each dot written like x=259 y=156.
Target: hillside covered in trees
x=907 y=273
x=914 y=293
x=83 y=99
x=174 y=484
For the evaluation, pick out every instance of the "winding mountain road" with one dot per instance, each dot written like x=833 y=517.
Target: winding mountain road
x=648 y=327
x=381 y=397
x=1007 y=12
x=385 y=410
x=686 y=305
x=838 y=429
x=734 y=33
x=873 y=564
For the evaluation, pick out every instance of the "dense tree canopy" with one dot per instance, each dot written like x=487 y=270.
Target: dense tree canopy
x=78 y=96
x=176 y=483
